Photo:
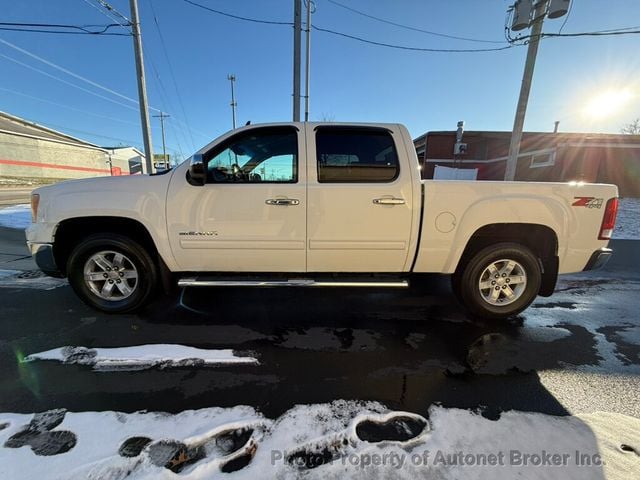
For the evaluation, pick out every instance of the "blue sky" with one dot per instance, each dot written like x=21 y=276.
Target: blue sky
x=350 y=81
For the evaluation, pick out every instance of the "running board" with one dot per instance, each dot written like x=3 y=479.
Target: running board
x=195 y=282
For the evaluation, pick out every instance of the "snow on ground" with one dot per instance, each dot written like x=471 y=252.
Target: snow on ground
x=17 y=216
x=628 y=221
x=344 y=439
x=8 y=273
x=141 y=357
x=29 y=279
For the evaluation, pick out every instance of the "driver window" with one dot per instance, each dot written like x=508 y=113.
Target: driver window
x=267 y=155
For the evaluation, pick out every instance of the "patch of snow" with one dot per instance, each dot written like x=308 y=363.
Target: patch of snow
x=630 y=334
x=628 y=220
x=29 y=279
x=141 y=357
x=21 y=182
x=454 y=444
x=17 y=216
x=595 y=298
x=8 y=273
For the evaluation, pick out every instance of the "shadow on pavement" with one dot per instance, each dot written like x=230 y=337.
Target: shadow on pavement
x=405 y=349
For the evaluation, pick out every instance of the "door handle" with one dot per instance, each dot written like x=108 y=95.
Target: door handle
x=282 y=201
x=388 y=201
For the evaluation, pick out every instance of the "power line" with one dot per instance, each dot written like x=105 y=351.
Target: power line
x=237 y=17
x=71 y=29
x=102 y=11
x=566 y=18
x=590 y=34
x=95 y=84
x=69 y=72
x=415 y=49
x=14 y=92
x=167 y=101
x=601 y=33
x=115 y=12
x=175 y=134
x=107 y=13
x=354 y=37
x=173 y=77
x=63 y=129
x=63 y=32
x=415 y=29
x=83 y=79
x=97 y=135
x=164 y=97
x=67 y=82
x=637 y=27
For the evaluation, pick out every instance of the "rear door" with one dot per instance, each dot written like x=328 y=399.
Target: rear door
x=360 y=200
x=250 y=216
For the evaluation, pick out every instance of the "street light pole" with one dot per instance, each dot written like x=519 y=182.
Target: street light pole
x=525 y=88
x=142 y=87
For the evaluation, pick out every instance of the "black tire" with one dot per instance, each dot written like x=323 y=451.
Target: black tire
x=466 y=280
x=147 y=272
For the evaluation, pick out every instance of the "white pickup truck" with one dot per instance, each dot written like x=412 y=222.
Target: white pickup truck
x=316 y=205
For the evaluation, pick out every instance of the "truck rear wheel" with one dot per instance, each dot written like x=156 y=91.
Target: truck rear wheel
x=112 y=273
x=499 y=281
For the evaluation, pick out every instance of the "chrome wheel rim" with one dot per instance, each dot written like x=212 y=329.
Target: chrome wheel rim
x=502 y=282
x=110 y=275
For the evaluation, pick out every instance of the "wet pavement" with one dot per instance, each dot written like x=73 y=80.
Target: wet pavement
x=575 y=352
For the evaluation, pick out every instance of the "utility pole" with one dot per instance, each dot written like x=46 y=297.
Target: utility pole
x=525 y=88
x=232 y=79
x=523 y=19
x=142 y=87
x=308 y=63
x=297 y=40
x=162 y=116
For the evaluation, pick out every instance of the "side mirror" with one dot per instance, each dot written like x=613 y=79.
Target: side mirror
x=197 y=174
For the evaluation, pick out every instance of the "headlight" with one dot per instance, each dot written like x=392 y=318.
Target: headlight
x=35 y=201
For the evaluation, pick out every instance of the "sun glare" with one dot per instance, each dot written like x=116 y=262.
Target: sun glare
x=607 y=103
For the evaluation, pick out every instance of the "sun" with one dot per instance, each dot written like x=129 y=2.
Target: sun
x=607 y=103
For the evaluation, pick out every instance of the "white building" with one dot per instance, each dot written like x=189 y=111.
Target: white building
x=31 y=151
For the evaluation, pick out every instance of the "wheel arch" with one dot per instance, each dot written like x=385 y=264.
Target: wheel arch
x=70 y=232
x=540 y=239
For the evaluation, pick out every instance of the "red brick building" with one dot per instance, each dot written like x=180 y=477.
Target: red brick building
x=544 y=157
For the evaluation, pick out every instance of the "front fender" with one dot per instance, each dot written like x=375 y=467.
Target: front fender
x=140 y=198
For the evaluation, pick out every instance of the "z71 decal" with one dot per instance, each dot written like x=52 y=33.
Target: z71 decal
x=589 y=202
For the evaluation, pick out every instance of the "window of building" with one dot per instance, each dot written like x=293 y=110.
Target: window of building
x=264 y=155
x=356 y=155
x=544 y=159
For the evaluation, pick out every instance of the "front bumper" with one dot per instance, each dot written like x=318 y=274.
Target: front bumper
x=42 y=253
x=598 y=259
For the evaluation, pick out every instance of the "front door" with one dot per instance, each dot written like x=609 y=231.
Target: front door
x=250 y=216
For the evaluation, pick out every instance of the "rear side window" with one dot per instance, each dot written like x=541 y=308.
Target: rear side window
x=356 y=155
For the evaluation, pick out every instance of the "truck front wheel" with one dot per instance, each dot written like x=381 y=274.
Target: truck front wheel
x=499 y=281
x=112 y=273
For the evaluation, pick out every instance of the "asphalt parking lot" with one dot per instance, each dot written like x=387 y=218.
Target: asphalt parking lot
x=575 y=352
